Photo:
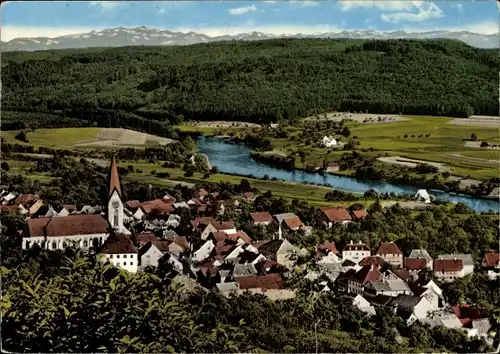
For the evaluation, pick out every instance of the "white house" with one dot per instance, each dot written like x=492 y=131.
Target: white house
x=355 y=252
x=363 y=305
x=120 y=252
x=468 y=262
x=149 y=255
x=422 y=196
x=203 y=252
x=328 y=141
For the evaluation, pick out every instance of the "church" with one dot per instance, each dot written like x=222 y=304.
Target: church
x=85 y=230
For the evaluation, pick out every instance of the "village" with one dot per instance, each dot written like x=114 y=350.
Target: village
x=213 y=255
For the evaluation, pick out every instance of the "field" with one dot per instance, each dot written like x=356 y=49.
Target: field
x=87 y=137
x=430 y=139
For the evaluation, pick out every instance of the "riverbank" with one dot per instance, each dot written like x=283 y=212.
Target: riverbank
x=235 y=158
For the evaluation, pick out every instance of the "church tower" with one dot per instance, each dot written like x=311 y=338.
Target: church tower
x=115 y=203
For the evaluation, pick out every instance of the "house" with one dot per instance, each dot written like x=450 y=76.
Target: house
x=149 y=255
x=355 y=252
x=243 y=270
x=468 y=262
x=280 y=251
x=203 y=252
x=421 y=253
x=422 y=196
x=491 y=262
x=293 y=224
x=201 y=194
x=120 y=252
x=332 y=167
x=327 y=253
x=363 y=305
x=335 y=215
x=262 y=218
x=180 y=205
x=353 y=281
x=14 y=208
x=411 y=308
x=260 y=283
x=474 y=320
x=443 y=319
x=145 y=237
x=214 y=226
x=388 y=284
x=417 y=264
x=56 y=233
x=67 y=209
x=448 y=269
x=157 y=207
x=226 y=289
x=7 y=199
x=358 y=215
x=391 y=254
x=328 y=141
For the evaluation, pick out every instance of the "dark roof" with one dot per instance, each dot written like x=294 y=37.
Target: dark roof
x=269 y=249
x=448 y=265
x=336 y=214
x=161 y=206
x=366 y=274
x=26 y=199
x=262 y=216
x=269 y=281
x=179 y=240
x=388 y=248
x=330 y=246
x=356 y=247
x=241 y=234
x=133 y=204
x=145 y=237
x=491 y=259
x=202 y=221
x=82 y=224
x=118 y=243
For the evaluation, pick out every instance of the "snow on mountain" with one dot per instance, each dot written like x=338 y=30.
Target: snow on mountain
x=117 y=37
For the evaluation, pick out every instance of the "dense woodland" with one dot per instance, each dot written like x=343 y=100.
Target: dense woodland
x=146 y=88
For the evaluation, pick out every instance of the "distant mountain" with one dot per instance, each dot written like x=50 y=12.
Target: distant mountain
x=119 y=37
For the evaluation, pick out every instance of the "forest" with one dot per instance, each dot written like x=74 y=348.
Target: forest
x=152 y=88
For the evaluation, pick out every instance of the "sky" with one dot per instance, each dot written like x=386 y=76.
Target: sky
x=54 y=18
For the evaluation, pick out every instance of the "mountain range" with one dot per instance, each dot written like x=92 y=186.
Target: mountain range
x=119 y=37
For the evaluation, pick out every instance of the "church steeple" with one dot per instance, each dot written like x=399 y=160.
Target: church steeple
x=114 y=179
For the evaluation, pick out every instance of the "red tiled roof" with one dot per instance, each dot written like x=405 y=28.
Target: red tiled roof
x=82 y=224
x=162 y=245
x=145 y=237
x=220 y=236
x=330 y=246
x=359 y=214
x=367 y=274
x=403 y=274
x=201 y=193
x=264 y=282
x=133 y=204
x=227 y=225
x=157 y=205
x=203 y=221
x=262 y=216
x=491 y=259
x=448 y=265
x=336 y=214
x=356 y=247
x=415 y=263
x=117 y=243
x=293 y=223
x=9 y=208
x=114 y=180
x=257 y=244
x=388 y=248
x=243 y=235
x=468 y=313
x=372 y=260
x=26 y=199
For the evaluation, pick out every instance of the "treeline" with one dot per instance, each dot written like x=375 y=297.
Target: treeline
x=259 y=81
x=283 y=162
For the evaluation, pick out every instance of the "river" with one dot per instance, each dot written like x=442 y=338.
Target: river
x=235 y=158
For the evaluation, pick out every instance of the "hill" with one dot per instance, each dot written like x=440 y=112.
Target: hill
x=257 y=81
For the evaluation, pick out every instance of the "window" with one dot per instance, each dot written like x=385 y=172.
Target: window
x=115 y=220
x=64 y=244
x=111 y=256
x=131 y=263
x=148 y=256
x=54 y=245
x=85 y=243
x=124 y=256
x=117 y=263
x=27 y=244
x=117 y=256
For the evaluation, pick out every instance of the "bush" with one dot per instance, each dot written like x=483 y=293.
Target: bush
x=153 y=172
x=5 y=166
x=484 y=144
x=473 y=137
x=130 y=168
x=163 y=175
x=405 y=136
x=22 y=136
x=189 y=173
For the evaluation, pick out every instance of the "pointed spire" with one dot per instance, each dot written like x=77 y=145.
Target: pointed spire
x=114 y=180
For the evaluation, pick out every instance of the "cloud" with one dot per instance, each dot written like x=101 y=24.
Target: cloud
x=242 y=10
x=347 y=5
x=306 y=3
x=106 y=6
x=426 y=11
